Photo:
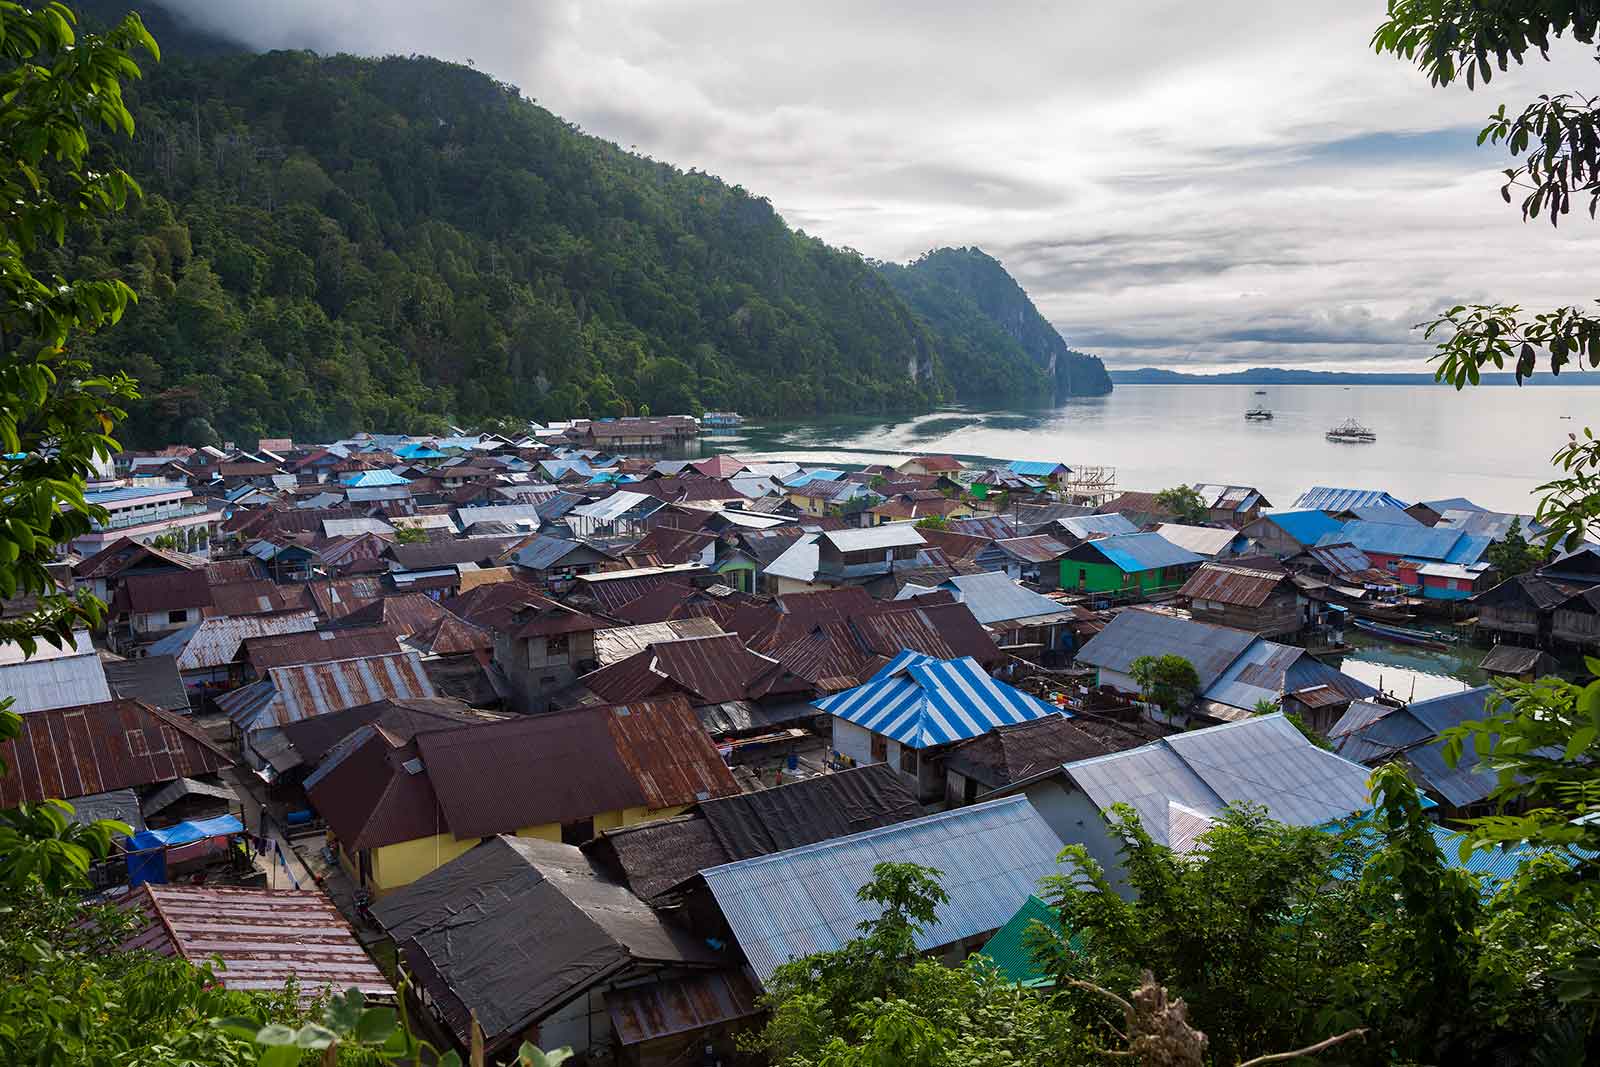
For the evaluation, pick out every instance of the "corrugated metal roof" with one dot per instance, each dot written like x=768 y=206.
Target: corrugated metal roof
x=920 y=701
x=1340 y=558
x=1038 y=548
x=168 y=591
x=1233 y=583
x=1329 y=498
x=713 y=669
x=994 y=597
x=1135 y=633
x=1205 y=541
x=96 y=748
x=1037 y=468
x=679 y=1005
x=519 y=515
x=312 y=646
x=53 y=677
x=1088 y=527
x=620 y=642
x=298 y=692
x=1306 y=527
x=798 y=562
x=1261 y=760
x=352 y=527
x=1411 y=542
x=803 y=901
x=263 y=937
x=889 y=535
x=1137 y=552
x=1231 y=497
x=153 y=680
x=1011 y=948
x=613 y=507
x=214 y=642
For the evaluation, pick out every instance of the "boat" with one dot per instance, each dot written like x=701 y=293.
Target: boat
x=1405 y=634
x=1259 y=414
x=1261 y=392
x=1351 y=432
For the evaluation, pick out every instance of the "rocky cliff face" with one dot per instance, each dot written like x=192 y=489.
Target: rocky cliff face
x=969 y=274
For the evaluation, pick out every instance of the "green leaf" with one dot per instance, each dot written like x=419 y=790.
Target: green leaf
x=275 y=1034
x=280 y=1056
x=375 y=1025
x=1580 y=741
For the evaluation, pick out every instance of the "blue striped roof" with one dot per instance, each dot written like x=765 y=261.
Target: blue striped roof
x=920 y=701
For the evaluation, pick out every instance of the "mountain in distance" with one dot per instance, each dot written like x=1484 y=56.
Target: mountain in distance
x=980 y=309
x=1289 y=376
x=329 y=244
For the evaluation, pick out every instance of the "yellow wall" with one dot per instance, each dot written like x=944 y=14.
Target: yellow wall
x=396 y=865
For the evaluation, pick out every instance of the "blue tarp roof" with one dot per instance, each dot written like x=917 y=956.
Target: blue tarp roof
x=416 y=451
x=1033 y=468
x=1307 y=527
x=821 y=475
x=1136 y=552
x=1330 y=498
x=921 y=701
x=185 y=832
x=1410 y=542
x=373 y=479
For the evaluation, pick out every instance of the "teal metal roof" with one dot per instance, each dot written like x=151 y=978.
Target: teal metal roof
x=1010 y=949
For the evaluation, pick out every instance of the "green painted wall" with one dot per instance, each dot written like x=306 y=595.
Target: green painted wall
x=746 y=581
x=1107 y=578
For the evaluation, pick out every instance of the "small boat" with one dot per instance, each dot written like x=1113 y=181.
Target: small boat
x=1261 y=392
x=1405 y=634
x=1351 y=432
x=1259 y=414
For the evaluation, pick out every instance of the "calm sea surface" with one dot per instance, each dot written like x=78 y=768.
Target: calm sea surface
x=1491 y=444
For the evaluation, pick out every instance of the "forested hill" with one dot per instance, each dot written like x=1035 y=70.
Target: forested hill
x=337 y=243
x=980 y=309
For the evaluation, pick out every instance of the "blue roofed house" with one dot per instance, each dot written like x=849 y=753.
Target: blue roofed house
x=1237 y=670
x=1135 y=563
x=915 y=707
x=1289 y=533
x=1043 y=469
x=372 y=479
x=1180 y=785
x=802 y=901
x=1339 y=502
x=1231 y=505
x=1441 y=563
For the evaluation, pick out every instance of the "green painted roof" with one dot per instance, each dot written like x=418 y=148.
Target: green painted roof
x=1008 y=948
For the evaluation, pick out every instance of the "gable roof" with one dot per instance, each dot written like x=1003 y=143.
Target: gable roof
x=921 y=702
x=95 y=748
x=1261 y=760
x=992 y=856
x=291 y=693
x=1136 y=632
x=52 y=677
x=1371 y=732
x=315 y=646
x=1013 y=753
x=1135 y=552
x=214 y=642
x=1305 y=526
x=1328 y=498
x=1201 y=540
x=1411 y=542
x=152 y=680
x=994 y=597
x=1240 y=585
x=710 y=669
x=517 y=927
x=168 y=591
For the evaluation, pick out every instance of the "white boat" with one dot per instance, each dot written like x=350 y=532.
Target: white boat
x=1351 y=432
x=1259 y=414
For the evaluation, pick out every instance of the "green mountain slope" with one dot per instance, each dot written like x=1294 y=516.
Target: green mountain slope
x=979 y=308
x=329 y=244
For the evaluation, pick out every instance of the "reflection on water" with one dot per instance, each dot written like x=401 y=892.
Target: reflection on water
x=1411 y=672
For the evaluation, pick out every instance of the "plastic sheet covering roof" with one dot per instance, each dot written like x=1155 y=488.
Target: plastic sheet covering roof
x=289 y=694
x=994 y=597
x=679 y=1005
x=1232 y=583
x=54 y=677
x=186 y=832
x=1411 y=542
x=518 y=927
x=263 y=937
x=95 y=748
x=1136 y=552
x=1135 y=633
x=1261 y=760
x=803 y=901
x=214 y=642
x=1328 y=498
x=1201 y=540
x=620 y=642
x=920 y=701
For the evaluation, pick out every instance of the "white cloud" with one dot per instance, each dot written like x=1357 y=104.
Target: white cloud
x=1211 y=184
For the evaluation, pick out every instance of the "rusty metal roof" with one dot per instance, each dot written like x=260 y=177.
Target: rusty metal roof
x=678 y=1006
x=401 y=615
x=451 y=636
x=711 y=669
x=95 y=748
x=214 y=642
x=170 y=591
x=256 y=598
x=1038 y=548
x=338 y=597
x=263 y=937
x=620 y=642
x=1232 y=583
x=315 y=646
x=289 y=694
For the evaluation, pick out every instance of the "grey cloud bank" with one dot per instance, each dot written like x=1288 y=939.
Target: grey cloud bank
x=1199 y=186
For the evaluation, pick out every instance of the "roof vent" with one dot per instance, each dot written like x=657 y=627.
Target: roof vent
x=412 y=766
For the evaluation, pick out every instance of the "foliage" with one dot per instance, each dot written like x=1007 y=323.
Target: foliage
x=1169 y=681
x=1514 y=555
x=1555 y=142
x=410 y=535
x=1184 y=504
x=933 y=522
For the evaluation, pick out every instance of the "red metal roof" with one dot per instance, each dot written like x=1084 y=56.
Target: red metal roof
x=95 y=748
x=263 y=937
x=1231 y=583
x=172 y=591
x=284 y=650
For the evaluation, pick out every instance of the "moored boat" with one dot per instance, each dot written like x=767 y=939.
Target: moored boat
x=1259 y=414
x=1405 y=634
x=1351 y=432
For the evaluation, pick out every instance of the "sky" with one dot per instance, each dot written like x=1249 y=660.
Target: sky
x=1199 y=186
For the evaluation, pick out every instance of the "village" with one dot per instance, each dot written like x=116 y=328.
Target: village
x=585 y=742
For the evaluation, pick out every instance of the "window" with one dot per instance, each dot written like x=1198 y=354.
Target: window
x=1083 y=578
x=880 y=748
x=577 y=832
x=136 y=743
x=908 y=760
x=556 y=645
x=178 y=616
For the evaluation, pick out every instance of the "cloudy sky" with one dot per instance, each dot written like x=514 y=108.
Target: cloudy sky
x=1207 y=185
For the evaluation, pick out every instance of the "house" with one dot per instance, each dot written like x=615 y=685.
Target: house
x=527 y=940
x=258 y=940
x=1072 y=530
x=1237 y=670
x=103 y=572
x=946 y=465
x=1404 y=551
x=1044 y=470
x=52 y=677
x=853 y=555
x=818 y=496
x=1521 y=610
x=913 y=708
x=1575 y=623
x=1140 y=564
x=1520 y=664
x=1029 y=559
x=1235 y=506
x=1289 y=533
x=1208 y=542
x=656 y=860
x=206 y=651
x=1373 y=733
x=993 y=854
x=637 y=432
x=1581 y=566
x=291 y=752
x=916 y=506
x=1181 y=785
x=1338 y=502
x=1494 y=525
x=1009 y=754
x=1142 y=509
x=1016 y=615
x=144 y=512
x=623 y=514
x=554 y=560
x=542 y=649
x=399 y=809
x=257 y=655
x=1429 y=512
x=716 y=669
x=152 y=680
x=153 y=604
x=1255 y=595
